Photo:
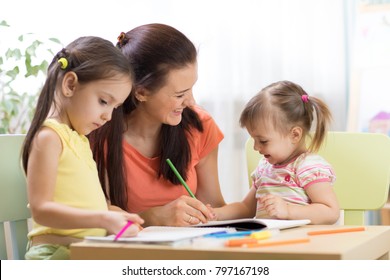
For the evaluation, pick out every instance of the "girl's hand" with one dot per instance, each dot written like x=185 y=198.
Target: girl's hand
x=115 y=221
x=275 y=206
x=184 y=211
x=213 y=212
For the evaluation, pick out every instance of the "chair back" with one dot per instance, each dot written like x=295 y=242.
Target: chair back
x=362 y=165
x=13 y=199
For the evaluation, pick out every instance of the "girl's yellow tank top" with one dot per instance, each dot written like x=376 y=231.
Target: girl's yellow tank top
x=77 y=182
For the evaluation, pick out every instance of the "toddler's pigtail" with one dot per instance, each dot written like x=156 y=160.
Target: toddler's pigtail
x=323 y=118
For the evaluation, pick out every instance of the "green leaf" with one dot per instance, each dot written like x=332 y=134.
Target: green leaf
x=44 y=65
x=55 y=40
x=17 y=107
x=13 y=73
x=14 y=94
x=14 y=53
x=15 y=111
x=32 y=48
x=8 y=106
x=27 y=61
x=32 y=71
x=4 y=23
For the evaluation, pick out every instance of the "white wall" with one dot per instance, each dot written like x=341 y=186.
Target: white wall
x=243 y=46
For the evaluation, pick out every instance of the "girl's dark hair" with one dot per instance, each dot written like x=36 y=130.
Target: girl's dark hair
x=285 y=104
x=90 y=58
x=153 y=50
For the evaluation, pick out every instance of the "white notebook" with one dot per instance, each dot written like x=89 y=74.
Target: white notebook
x=161 y=234
x=255 y=224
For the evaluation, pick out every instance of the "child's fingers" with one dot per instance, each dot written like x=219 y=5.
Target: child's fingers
x=131 y=231
x=212 y=211
x=134 y=218
x=264 y=198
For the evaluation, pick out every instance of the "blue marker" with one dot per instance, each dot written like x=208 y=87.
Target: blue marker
x=214 y=234
x=233 y=234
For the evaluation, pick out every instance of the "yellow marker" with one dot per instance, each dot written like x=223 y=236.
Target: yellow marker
x=253 y=238
x=260 y=235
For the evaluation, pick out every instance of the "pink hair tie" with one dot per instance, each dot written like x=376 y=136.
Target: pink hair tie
x=305 y=98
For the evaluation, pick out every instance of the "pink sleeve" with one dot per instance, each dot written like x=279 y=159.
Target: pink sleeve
x=315 y=170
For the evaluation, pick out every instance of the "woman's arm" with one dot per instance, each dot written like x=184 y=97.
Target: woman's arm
x=238 y=210
x=208 y=189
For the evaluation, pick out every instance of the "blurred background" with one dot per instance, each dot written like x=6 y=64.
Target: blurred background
x=338 y=50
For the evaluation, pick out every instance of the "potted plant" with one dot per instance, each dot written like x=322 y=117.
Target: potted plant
x=23 y=65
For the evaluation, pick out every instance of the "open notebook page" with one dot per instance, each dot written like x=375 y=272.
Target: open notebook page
x=161 y=234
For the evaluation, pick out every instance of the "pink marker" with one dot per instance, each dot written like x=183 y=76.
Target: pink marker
x=129 y=223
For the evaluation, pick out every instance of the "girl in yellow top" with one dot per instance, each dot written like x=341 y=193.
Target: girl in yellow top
x=86 y=82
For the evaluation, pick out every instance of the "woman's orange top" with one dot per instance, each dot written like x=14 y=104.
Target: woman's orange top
x=145 y=189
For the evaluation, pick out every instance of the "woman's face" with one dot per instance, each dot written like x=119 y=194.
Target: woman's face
x=166 y=105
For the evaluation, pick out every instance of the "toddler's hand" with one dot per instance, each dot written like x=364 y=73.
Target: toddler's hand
x=213 y=213
x=275 y=206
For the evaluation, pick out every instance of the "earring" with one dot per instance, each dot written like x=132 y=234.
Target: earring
x=139 y=98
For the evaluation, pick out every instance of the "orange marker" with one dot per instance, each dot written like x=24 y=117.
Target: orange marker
x=276 y=242
x=337 y=230
x=253 y=238
x=240 y=242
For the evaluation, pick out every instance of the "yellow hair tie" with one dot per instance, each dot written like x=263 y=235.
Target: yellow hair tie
x=121 y=37
x=64 y=63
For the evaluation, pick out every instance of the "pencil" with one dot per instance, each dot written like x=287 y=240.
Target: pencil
x=276 y=242
x=180 y=178
x=129 y=223
x=337 y=230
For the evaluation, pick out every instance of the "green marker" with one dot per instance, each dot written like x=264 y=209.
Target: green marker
x=180 y=178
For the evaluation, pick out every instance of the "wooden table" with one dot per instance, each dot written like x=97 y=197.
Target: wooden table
x=373 y=243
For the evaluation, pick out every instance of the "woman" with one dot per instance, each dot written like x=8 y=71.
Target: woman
x=161 y=121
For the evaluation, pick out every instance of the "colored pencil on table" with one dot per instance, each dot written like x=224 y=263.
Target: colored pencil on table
x=233 y=234
x=253 y=238
x=239 y=242
x=276 y=242
x=337 y=230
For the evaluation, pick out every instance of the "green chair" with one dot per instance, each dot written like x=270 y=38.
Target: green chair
x=13 y=198
x=362 y=165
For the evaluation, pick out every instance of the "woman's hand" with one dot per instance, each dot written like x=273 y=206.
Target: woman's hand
x=184 y=211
